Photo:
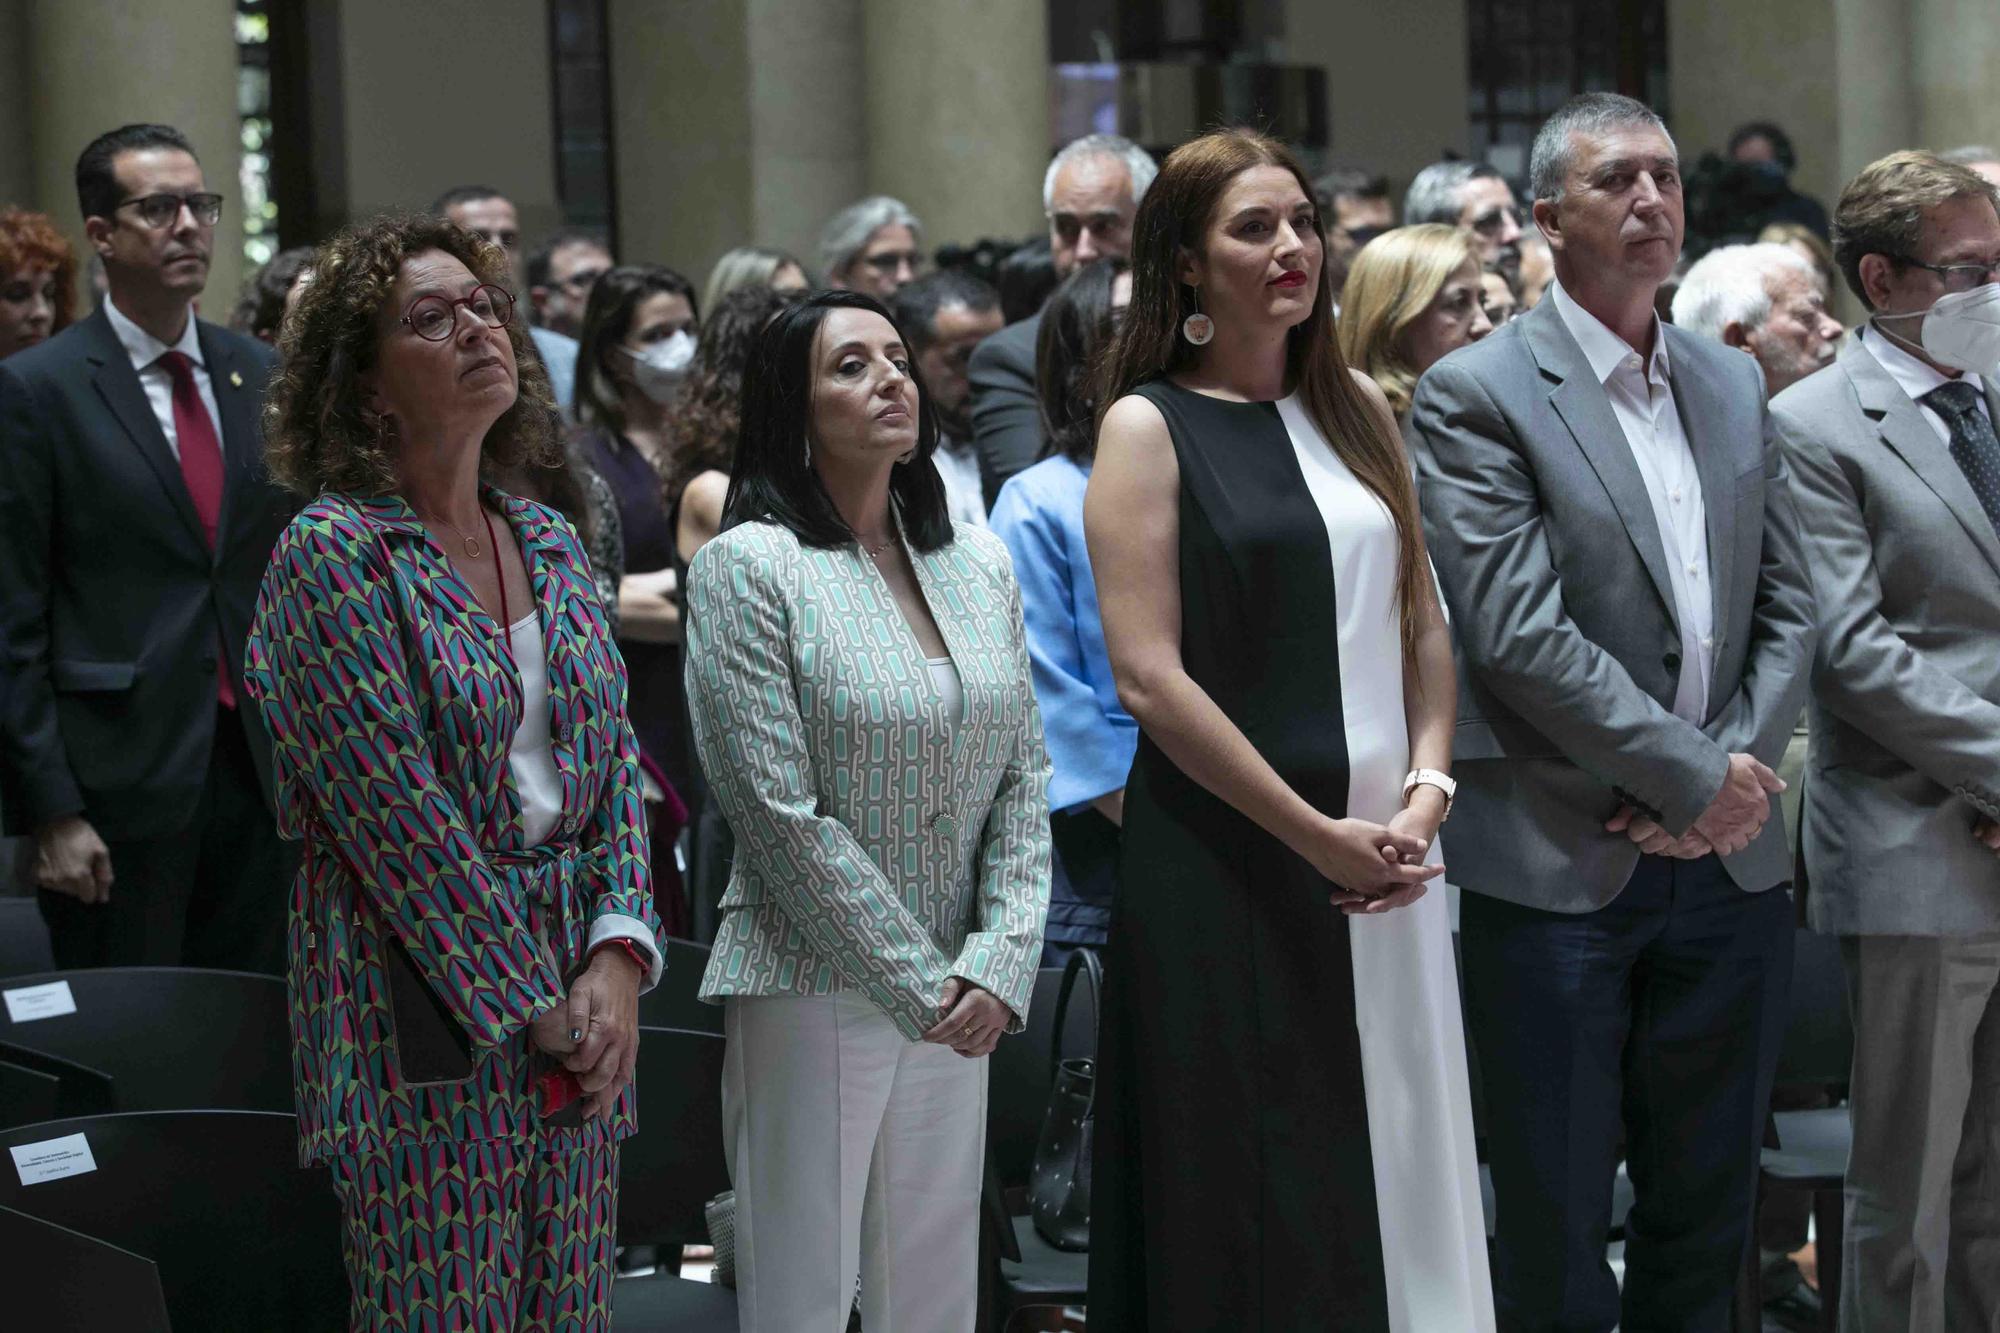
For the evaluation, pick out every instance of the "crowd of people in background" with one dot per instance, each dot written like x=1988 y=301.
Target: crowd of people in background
x=1108 y=564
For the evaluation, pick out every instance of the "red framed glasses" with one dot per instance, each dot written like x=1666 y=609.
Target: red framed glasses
x=435 y=318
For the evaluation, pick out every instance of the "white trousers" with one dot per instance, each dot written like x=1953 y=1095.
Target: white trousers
x=852 y=1152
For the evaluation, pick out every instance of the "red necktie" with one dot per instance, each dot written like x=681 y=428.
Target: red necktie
x=201 y=469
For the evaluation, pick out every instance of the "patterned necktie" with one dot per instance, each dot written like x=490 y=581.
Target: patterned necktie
x=1974 y=446
x=201 y=469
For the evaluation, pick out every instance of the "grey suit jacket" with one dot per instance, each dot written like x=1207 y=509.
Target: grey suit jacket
x=1906 y=681
x=1556 y=580
x=1007 y=429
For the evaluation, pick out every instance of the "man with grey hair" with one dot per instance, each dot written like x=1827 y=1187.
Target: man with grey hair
x=1763 y=299
x=1472 y=195
x=872 y=246
x=1895 y=468
x=1978 y=156
x=1090 y=194
x=1613 y=531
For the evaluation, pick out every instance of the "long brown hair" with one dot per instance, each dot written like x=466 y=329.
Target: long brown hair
x=1175 y=216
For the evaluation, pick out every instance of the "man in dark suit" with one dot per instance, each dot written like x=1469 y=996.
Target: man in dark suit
x=1090 y=194
x=1612 y=524
x=136 y=519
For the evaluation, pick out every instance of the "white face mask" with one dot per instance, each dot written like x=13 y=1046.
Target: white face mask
x=659 y=369
x=1962 y=330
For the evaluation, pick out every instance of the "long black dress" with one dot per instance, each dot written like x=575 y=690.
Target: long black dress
x=1236 y=1176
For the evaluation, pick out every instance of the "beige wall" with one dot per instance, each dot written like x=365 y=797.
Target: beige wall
x=17 y=163
x=443 y=93
x=1730 y=62
x=1396 y=79
x=97 y=64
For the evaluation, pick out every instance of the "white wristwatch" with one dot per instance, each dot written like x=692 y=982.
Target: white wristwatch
x=1430 y=777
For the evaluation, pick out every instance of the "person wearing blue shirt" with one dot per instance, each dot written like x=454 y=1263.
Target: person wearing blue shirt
x=1039 y=515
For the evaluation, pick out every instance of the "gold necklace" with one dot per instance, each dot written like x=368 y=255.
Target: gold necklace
x=471 y=544
x=875 y=551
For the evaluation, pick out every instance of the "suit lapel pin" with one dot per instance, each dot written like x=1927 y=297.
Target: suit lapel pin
x=236 y=379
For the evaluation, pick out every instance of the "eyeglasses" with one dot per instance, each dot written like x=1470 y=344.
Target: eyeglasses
x=580 y=281
x=889 y=261
x=1494 y=221
x=1955 y=277
x=160 y=210
x=435 y=318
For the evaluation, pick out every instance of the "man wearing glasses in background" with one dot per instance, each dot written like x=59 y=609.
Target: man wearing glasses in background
x=1472 y=195
x=561 y=273
x=1895 y=469
x=135 y=523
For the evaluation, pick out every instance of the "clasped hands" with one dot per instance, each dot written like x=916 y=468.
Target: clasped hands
x=971 y=1019
x=1377 y=868
x=1732 y=820
x=595 y=1031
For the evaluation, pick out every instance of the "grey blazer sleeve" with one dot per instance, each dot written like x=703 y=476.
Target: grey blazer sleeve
x=1760 y=717
x=1006 y=415
x=1875 y=679
x=1483 y=518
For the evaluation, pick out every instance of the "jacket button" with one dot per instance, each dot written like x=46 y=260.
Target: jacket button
x=1672 y=661
x=564 y=732
x=312 y=940
x=944 y=825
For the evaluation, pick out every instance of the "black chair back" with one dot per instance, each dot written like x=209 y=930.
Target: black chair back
x=62 y=1281
x=243 y=1236
x=1020 y=1076
x=167 y=1038
x=24 y=939
x=674 y=1164
x=675 y=1002
x=1819 y=1033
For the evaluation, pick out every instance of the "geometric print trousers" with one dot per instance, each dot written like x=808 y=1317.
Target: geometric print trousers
x=478 y=1237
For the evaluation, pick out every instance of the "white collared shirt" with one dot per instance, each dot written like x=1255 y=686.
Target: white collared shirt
x=145 y=351
x=964 y=494
x=1915 y=377
x=1642 y=398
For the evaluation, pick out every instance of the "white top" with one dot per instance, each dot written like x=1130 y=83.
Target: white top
x=1642 y=398
x=1915 y=377
x=145 y=351
x=538 y=782
x=958 y=464
x=944 y=675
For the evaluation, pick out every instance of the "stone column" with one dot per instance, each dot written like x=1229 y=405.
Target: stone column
x=958 y=113
x=93 y=65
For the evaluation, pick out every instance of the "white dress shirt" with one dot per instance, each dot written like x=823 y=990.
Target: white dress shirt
x=1642 y=398
x=958 y=464
x=1915 y=377
x=145 y=351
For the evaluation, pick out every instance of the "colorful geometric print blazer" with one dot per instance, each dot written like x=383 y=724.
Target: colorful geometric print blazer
x=392 y=706
x=877 y=849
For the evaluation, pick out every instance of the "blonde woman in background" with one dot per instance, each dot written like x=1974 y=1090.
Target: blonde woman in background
x=754 y=266
x=1412 y=295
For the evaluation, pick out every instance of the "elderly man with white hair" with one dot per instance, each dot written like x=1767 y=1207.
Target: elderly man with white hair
x=1766 y=300
x=872 y=246
x=1090 y=195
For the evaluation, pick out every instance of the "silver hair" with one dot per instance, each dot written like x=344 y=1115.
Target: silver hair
x=1138 y=164
x=1585 y=114
x=846 y=233
x=1970 y=153
x=1437 y=193
x=1728 y=286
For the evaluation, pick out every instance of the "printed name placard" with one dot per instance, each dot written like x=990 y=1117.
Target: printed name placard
x=53 y=1159
x=25 y=1004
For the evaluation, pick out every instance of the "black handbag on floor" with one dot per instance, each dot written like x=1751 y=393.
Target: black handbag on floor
x=1059 y=1179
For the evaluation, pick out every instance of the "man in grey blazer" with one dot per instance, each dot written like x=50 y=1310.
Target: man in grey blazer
x=1611 y=525
x=1896 y=472
x=1091 y=193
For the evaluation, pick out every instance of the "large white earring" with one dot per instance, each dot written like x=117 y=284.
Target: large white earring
x=1197 y=328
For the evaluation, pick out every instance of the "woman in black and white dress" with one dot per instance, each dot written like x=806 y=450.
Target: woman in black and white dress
x=1284 y=1136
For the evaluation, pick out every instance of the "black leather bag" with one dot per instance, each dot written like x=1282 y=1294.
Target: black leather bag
x=1059 y=1178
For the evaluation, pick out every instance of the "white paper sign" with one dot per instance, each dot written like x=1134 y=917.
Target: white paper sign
x=25 y=1004
x=52 y=1159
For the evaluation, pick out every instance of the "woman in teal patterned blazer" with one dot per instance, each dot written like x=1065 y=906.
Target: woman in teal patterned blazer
x=861 y=701
x=472 y=926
